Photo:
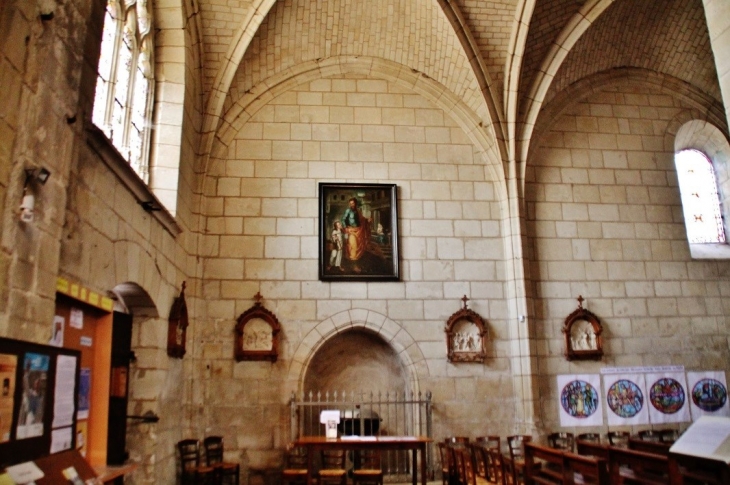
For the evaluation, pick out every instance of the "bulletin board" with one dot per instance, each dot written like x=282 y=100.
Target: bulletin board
x=39 y=385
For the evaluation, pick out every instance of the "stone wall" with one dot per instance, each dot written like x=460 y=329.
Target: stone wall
x=261 y=235
x=605 y=222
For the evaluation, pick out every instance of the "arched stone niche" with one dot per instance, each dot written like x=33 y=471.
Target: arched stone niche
x=356 y=360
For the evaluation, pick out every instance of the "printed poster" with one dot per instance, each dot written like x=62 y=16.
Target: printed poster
x=707 y=394
x=625 y=399
x=57 y=336
x=668 y=398
x=8 y=367
x=63 y=401
x=33 y=404
x=84 y=393
x=580 y=400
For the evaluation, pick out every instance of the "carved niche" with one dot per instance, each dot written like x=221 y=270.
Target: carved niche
x=582 y=330
x=466 y=332
x=257 y=334
x=177 y=325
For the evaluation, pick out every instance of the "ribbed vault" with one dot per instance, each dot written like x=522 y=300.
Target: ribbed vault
x=414 y=34
x=667 y=36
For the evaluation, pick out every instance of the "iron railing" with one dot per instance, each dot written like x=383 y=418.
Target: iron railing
x=369 y=414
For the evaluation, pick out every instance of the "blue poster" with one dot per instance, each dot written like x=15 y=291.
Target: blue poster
x=84 y=393
x=33 y=404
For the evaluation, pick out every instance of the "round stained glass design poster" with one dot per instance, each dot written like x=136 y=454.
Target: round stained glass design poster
x=709 y=395
x=667 y=395
x=579 y=399
x=625 y=398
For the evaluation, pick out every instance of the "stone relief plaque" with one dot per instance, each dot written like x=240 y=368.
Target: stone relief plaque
x=465 y=335
x=582 y=330
x=257 y=334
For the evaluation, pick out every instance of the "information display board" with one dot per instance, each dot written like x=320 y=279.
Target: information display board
x=39 y=385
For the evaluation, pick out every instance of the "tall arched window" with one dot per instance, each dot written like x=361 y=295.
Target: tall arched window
x=124 y=86
x=700 y=199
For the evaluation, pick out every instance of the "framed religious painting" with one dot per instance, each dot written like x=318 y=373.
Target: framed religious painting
x=358 y=232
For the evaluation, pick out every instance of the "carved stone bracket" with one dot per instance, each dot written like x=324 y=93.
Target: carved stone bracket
x=582 y=330
x=257 y=334
x=466 y=333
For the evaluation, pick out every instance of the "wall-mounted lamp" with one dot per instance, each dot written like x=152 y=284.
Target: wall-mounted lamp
x=40 y=176
x=36 y=174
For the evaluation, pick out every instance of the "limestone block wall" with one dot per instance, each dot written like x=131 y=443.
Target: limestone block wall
x=261 y=235
x=604 y=221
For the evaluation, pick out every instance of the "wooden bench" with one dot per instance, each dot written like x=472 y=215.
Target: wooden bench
x=637 y=467
x=591 y=448
x=581 y=470
x=544 y=465
x=656 y=447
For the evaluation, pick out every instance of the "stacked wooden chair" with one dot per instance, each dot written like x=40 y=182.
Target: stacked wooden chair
x=225 y=472
x=191 y=470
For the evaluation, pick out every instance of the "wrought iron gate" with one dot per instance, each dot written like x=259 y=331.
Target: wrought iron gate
x=369 y=414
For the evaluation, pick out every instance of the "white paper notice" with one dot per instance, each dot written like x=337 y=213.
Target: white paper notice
x=61 y=439
x=63 y=407
x=25 y=472
x=76 y=319
x=708 y=437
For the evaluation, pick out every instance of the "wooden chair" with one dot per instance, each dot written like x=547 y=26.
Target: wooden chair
x=367 y=467
x=479 y=457
x=295 y=468
x=495 y=468
x=333 y=467
x=516 y=446
x=191 y=471
x=492 y=470
x=445 y=456
x=467 y=470
x=669 y=435
x=457 y=439
x=592 y=437
x=452 y=445
x=619 y=438
x=650 y=435
x=561 y=441
x=490 y=441
x=226 y=472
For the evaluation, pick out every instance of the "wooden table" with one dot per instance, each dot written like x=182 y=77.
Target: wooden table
x=382 y=443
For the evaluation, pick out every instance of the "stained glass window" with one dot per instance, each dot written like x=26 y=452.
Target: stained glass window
x=124 y=86
x=700 y=200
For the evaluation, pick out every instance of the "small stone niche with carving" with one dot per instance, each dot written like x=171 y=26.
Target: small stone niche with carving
x=466 y=333
x=257 y=334
x=583 y=339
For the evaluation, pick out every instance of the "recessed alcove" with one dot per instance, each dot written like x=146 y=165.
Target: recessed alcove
x=356 y=360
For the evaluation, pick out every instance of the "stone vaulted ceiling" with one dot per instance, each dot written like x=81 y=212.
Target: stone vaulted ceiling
x=465 y=45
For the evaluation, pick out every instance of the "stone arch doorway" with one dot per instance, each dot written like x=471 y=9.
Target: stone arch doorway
x=132 y=305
